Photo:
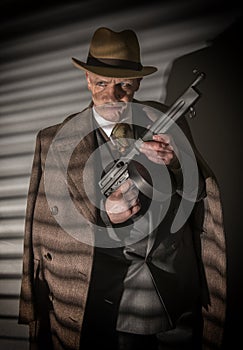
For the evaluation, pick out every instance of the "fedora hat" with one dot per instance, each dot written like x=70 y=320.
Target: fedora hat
x=114 y=54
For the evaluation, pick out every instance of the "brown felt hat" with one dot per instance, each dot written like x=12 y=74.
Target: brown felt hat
x=114 y=54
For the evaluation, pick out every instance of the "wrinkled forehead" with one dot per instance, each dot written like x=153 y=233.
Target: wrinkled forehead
x=94 y=78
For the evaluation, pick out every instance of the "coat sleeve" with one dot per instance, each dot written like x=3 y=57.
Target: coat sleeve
x=27 y=300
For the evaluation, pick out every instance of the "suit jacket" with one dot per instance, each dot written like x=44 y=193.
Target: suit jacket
x=58 y=253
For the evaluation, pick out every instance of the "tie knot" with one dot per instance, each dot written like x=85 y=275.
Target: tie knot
x=121 y=130
x=120 y=135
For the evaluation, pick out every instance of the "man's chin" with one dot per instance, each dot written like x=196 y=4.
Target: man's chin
x=113 y=116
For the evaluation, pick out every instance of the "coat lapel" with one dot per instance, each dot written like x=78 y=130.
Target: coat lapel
x=75 y=145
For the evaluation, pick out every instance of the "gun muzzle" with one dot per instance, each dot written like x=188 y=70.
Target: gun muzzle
x=200 y=77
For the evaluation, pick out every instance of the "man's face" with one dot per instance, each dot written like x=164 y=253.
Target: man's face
x=110 y=95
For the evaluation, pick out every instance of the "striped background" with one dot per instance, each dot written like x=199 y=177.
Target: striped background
x=40 y=87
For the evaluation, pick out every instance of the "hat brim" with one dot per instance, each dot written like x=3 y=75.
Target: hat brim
x=114 y=72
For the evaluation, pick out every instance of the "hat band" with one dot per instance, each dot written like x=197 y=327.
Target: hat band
x=114 y=63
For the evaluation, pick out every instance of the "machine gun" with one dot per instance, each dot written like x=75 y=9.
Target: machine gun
x=119 y=172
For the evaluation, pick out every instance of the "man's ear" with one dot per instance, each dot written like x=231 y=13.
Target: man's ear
x=88 y=79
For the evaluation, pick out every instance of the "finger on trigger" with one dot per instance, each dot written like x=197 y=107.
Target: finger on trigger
x=165 y=138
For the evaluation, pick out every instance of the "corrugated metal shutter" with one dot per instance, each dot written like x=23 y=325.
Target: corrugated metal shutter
x=40 y=87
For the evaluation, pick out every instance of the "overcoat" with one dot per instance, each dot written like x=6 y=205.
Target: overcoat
x=57 y=264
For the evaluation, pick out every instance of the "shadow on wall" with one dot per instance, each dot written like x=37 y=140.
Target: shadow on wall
x=217 y=131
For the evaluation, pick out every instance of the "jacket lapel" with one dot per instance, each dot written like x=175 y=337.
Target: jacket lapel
x=74 y=147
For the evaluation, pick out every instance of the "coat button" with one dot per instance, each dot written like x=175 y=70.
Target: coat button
x=173 y=245
x=54 y=210
x=48 y=256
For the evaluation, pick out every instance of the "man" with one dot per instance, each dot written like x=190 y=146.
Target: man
x=107 y=271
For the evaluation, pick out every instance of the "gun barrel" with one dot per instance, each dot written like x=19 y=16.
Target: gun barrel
x=199 y=78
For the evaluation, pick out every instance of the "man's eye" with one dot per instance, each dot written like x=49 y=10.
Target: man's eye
x=101 y=83
x=125 y=85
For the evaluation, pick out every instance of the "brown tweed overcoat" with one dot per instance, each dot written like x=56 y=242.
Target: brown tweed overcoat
x=57 y=266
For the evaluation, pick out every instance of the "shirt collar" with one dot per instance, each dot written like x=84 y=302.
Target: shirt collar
x=107 y=125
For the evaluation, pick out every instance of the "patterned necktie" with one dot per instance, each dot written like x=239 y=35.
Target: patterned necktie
x=121 y=136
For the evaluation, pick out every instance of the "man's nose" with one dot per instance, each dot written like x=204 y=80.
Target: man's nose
x=114 y=93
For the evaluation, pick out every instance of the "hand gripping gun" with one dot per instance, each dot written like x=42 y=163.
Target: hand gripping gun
x=122 y=170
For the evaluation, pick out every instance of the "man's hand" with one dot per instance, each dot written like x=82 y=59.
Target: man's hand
x=123 y=204
x=160 y=150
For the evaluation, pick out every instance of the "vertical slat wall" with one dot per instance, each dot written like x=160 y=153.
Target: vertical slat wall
x=39 y=86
